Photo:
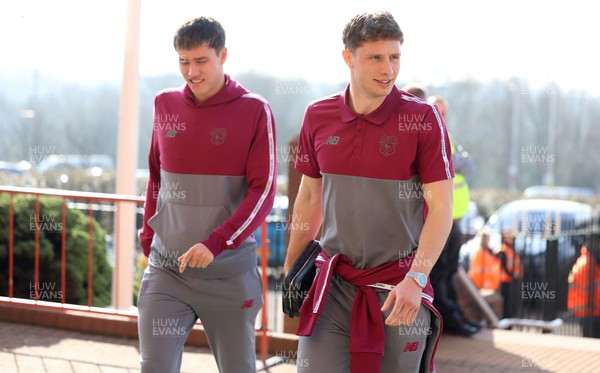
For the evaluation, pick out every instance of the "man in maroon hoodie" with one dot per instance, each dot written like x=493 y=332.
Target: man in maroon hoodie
x=212 y=182
x=377 y=174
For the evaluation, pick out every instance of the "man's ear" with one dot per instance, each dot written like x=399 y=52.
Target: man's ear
x=347 y=57
x=223 y=55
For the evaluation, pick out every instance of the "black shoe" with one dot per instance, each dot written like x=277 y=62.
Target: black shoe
x=465 y=330
x=473 y=324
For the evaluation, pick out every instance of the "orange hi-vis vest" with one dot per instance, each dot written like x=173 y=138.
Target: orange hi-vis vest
x=513 y=265
x=484 y=269
x=581 y=283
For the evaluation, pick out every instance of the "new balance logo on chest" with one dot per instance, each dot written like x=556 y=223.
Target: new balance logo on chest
x=169 y=124
x=332 y=140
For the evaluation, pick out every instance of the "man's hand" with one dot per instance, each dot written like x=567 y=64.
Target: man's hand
x=406 y=299
x=306 y=219
x=286 y=267
x=198 y=256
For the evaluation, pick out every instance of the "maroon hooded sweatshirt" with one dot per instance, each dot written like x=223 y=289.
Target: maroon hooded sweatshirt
x=212 y=177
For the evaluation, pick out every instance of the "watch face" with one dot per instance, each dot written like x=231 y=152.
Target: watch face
x=422 y=279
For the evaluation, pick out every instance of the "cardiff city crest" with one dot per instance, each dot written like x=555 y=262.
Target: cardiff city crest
x=387 y=145
x=217 y=136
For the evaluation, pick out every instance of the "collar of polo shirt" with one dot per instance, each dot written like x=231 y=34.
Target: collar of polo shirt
x=377 y=117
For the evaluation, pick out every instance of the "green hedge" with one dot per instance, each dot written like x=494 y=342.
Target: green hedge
x=50 y=234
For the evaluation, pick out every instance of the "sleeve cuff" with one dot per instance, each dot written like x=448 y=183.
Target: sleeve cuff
x=308 y=171
x=216 y=244
x=145 y=241
x=426 y=179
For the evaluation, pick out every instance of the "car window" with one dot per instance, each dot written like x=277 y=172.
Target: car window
x=538 y=222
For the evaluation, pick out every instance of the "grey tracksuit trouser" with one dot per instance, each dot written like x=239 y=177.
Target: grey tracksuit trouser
x=327 y=350
x=169 y=305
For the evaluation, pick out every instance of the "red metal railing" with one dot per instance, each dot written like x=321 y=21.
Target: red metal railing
x=91 y=198
x=263 y=264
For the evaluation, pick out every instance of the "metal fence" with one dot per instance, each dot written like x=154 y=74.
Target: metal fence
x=98 y=209
x=553 y=281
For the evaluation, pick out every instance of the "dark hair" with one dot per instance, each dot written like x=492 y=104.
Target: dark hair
x=371 y=27
x=416 y=89
x=199 y=31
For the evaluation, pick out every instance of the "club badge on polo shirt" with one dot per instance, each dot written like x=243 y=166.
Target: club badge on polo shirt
x=217 y=136
x=387 y=145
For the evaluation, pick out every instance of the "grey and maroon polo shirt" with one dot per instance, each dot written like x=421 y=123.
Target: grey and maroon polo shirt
x=373 y=167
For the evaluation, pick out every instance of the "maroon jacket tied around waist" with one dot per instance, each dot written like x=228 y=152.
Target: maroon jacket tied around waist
x=367 y=329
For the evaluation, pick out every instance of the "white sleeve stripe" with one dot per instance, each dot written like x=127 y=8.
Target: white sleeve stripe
x=270 y=180
x=441 y=127
x=327 y=276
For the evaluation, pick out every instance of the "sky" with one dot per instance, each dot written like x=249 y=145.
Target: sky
x=540 y=41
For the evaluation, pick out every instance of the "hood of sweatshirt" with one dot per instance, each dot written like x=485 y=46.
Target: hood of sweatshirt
x=231 y=90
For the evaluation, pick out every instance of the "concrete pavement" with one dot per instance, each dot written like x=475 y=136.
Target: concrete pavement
x=35 y=349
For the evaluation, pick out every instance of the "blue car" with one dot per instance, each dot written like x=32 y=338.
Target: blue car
x=277 y=224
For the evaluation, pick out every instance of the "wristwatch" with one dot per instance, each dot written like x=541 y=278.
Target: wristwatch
x=419 y=278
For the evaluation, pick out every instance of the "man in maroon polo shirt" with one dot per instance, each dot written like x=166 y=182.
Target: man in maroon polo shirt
x=377 y=174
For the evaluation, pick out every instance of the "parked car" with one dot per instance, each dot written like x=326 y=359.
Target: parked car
x=10 y=168
x=95 y=163
x=471 y=222
x=533 y=221
x=555 y=191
